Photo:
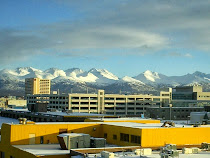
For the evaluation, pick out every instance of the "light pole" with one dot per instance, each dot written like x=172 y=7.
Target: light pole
x=170 y=105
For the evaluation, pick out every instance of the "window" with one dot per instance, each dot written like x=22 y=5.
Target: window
x=41 y=140
x=2 y=154
x=124 y=137
x=135 y=139
x=105 y=135
x=114 y=136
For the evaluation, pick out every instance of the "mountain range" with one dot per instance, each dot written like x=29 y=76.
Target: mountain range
x=77 y=80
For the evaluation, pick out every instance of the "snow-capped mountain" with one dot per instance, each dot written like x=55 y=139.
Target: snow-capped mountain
x=150 y=77
x=79 y=80
x=97 y=76
x=154 y=78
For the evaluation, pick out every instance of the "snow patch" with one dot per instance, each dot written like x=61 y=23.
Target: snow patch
x=206 y=78
x=130 y=79
x=152 y=76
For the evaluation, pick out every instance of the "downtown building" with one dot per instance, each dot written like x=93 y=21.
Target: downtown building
x=101 y=103
x=37 y=86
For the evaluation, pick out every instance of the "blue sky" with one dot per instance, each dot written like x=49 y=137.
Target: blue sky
x=126 y=37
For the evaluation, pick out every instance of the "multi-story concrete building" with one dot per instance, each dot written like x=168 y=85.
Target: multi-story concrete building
x=184 y=100
x=12 y=102
x=190 y=93
x=172 y=113
x=113 y=104
x=37 y=86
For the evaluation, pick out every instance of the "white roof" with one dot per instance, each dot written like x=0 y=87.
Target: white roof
x=148 y=125
x=43 y=149
x=54 y=149
x=8 y=120
x=121 y=119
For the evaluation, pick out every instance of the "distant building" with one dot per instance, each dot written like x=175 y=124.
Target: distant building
x=12 y=102
x=190 y=96
x=172 y=113
x=112 y=104
x=190 y=93
x=20 y=103
x=37 y=86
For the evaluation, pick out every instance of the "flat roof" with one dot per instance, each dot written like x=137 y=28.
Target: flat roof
x=59 y=113
x=149 y=125
x=54 y=149
x=8 y=120
x=154 y=154
x=121 y=119
x=124 y=124
x=43 y=149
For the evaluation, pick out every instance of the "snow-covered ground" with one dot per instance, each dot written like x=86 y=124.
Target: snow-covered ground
x=7 y=120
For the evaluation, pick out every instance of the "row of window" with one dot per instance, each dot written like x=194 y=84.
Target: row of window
x=126 y=138
x=56 y=102
x=58 y=107
x=59 y=98
x=184 y=110
x=84 y=108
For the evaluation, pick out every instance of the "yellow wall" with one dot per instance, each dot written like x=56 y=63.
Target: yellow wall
x=15 y=152
x=150 y=137
x=111 y=130
x=5 y=133
x=20 y=133
x=179 y=136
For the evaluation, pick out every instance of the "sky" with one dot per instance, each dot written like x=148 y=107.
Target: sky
x=126 y=37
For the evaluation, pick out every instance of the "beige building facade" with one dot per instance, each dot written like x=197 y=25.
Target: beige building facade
x=37 y=86
x=113 y=104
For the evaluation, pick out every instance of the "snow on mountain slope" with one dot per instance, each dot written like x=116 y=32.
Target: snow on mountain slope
x=53 y=73
x=101 y=76
x=104 y=73
x=73 y=72
x=97 y=76
x=131 y=80
x=206 y=78
x=21 y=73
x=151 y=76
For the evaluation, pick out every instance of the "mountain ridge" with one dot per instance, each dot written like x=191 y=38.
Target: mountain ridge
x=75 y=78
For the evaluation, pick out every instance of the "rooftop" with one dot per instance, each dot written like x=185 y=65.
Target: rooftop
x=54 y=149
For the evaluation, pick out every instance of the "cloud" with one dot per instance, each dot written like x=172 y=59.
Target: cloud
x=188 y=55
x=16 y=44
x=177 y=54
x=137 y=27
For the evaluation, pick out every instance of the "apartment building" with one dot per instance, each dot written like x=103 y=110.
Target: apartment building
x=113 y=104
x=37 y=86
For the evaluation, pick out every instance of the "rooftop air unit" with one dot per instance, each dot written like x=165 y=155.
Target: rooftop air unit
x=74 y=140
x=97 y=142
